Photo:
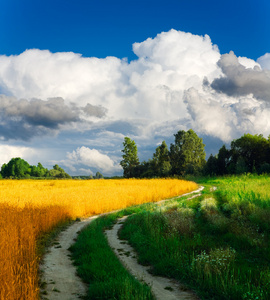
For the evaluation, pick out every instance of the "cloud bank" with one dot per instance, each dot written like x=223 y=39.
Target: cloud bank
x=178 y=81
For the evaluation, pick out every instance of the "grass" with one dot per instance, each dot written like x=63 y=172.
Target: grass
x=99 y=267
x=217 y=244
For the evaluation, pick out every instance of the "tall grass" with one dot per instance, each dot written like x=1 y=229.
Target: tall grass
x=217 y=243
x=29 y=209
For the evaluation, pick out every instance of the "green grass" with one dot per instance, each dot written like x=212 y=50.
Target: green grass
x=99 y=267
x=217 y=243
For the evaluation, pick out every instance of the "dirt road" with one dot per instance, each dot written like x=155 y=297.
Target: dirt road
x=162 y=288
x=58 y=275
x=57 y=271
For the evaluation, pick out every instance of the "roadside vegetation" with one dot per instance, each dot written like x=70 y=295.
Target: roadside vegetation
x=98 y=266
x=217 y=244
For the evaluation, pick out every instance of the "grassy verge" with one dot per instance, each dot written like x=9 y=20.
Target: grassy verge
x=99 y=267
x=217 y=243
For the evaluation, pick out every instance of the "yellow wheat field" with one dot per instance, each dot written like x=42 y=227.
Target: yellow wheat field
x=31 y=208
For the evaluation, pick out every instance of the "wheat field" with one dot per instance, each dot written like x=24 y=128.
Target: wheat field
x=31 y=208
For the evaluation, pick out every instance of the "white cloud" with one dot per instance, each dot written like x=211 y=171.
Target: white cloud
x=7 y=152
x=178 y=81
x=264 y=61
x=91 y=158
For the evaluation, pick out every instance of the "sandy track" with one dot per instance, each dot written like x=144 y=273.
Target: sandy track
x=59 y=274
x=57 y=270
x=162 y=288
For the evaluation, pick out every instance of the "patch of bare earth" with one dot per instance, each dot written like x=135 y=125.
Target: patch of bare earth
x=162 y=288
x=58 y=275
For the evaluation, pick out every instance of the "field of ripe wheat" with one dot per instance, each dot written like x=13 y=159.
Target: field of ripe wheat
x=31 y=208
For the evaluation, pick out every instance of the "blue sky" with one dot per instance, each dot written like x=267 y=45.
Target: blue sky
x=109 y=28
x=76 y=77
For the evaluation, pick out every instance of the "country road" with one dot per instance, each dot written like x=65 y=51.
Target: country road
x=58 y=274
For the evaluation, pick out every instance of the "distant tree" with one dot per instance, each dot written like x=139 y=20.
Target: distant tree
x=160 y=164
x=16 y=168
x=98 y=176
x=58 y=172
x=211 y=167
x=241 y=166
x=39 y=171
x=187 y=154
x=223 y=159
x=250 y=151
x=130 y=158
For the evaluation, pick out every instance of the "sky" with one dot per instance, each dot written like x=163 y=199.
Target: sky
x=76 y=77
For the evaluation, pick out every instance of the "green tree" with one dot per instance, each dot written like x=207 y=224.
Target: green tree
x=130 y=158
x=58 y=172
x=16 y=168
x=160 y=163
x=223 y=159
x=211 y=167
x=99 y=175
x=249 y=153
x=187 y=154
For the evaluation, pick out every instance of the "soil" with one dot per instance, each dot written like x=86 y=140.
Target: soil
x=162 y=288
x=58 y=275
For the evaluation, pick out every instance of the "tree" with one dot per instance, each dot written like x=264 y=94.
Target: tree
x=211 y=166
x=16 y=168
x=223 y=160
x=187 y=154
x=58 y=172
x=99 y=176
x=249 y=152
x=130 y=158
x=160 y=163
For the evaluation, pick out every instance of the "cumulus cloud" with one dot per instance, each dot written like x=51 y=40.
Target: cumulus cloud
x=178 y=81
x=7 y=152
x=23 y=119
x=94 y=111
x=239 y=80
x=91 y=158
x=264 y=61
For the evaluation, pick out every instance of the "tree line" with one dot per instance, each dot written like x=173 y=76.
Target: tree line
x=18 y=168
x=186 y=156
x=248 y=154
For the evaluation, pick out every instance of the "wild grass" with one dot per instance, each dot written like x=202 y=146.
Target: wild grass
x=98 y=266
x=30 y=209
x=217 y=244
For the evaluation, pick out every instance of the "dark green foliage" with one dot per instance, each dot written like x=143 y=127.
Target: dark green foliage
x=160 y=164
x=130 y=158
x=222 y=161
x=187 y=153
x=98 y=176
x=186 y=156
x=248 y=154
x=18 y=168
x=211 y=166
x=251 y=150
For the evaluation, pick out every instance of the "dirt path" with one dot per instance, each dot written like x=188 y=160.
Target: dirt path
x=58 y=273
x=162 y=288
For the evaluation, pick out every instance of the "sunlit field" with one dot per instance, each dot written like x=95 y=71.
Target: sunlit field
x=31 y=208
